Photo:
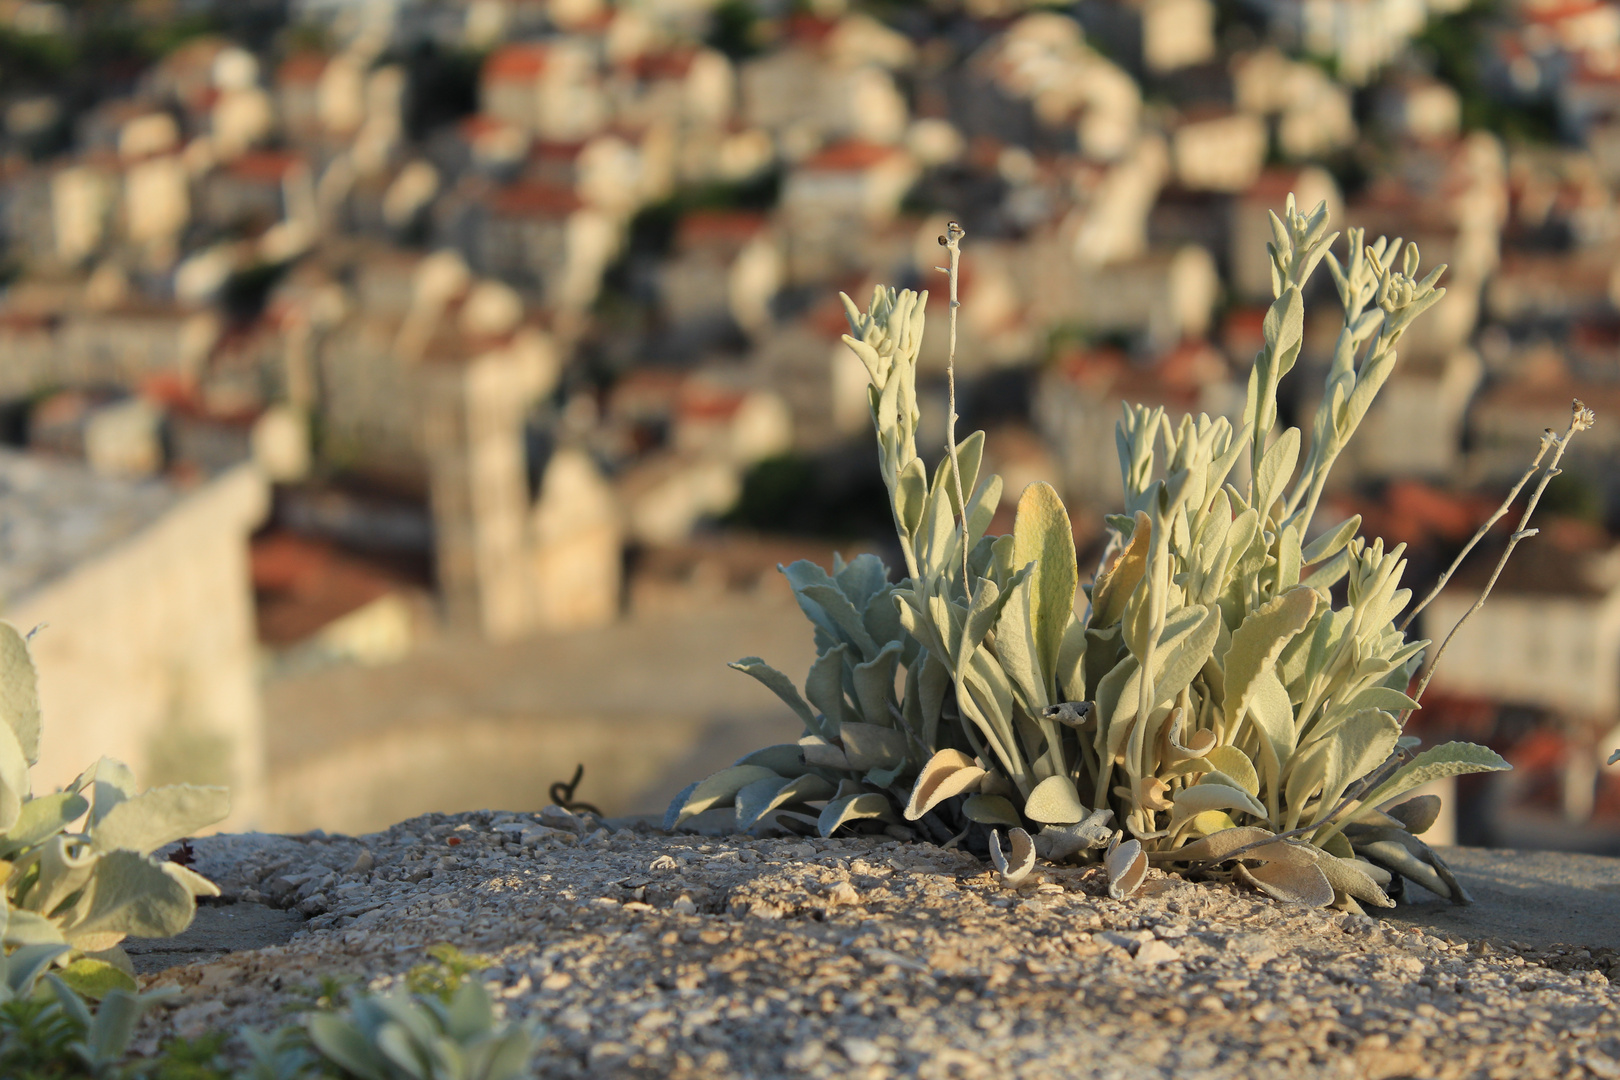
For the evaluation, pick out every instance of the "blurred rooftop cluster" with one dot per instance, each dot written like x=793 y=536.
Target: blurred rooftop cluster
x=495 y=299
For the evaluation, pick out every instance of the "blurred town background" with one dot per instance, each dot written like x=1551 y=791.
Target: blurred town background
x=404 y=401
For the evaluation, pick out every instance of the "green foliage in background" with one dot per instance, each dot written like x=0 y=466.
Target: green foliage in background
x=78 y=866
x=1212 y=702
x=442 y=1024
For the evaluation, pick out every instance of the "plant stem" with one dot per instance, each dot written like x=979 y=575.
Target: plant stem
x=952 y=242
x=1580 y=418
x=1547 y=440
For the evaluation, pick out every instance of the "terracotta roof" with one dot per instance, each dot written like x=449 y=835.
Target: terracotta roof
x=522 y=62
x=847 y=156
x=264 y=166
x=302 y=585
x=530 y=199
x=302 y=67
x=719 y=226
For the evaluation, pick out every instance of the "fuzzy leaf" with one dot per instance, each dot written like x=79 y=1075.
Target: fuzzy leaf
x=718 y=790
x=948 y=773
x=871 y=746
x=132 y=895
x=786 y=759
x=782 y=687
x=1448 y=759
x=1290 y=882
x=762 y=796
x=1115 y=586
x=990 y=810
x=1217 y=847
x=1258 y=642
x=1331 y=541
x=1234 y=763
x=824 y=686
x=1043 y=534
x=841 y=812
x=160 y=816
x=1015 y=865
x=874 y=686
x=1127 y=866
x=93 y=979
x=1273 y=715
x=19 y=691
x=1212 y=796
x=1054 y=801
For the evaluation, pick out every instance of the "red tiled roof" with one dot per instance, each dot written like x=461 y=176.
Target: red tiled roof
x=530 y=199
x=302 y=585
x=719 y=226
x=515 y=63
x=850 y=155
x=302 y=67
x=264 y=166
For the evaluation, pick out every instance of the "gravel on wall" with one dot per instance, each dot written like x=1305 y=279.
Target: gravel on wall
x=641 y=954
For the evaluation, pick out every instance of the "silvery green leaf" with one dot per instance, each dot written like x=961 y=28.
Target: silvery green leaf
x=802 y=574
x=1212 y=796
x=1185 y=646
x=948 y=773
x=1234 y=764
x=911 y=495
x=25 y=927
x=872 y=746
x=1418 y=814
x=132 y=895
x=159 y=816
x=1044 y=535
x=1288 y=558
x=718 y=790
x=1115 y=586
x=1071 y=667
x=1276 y=468
x=842 y=811
x=42 y=818
x=1126 y=865
x=1216 y=847
x=1290 y=882
x=990 y=810
x=821 y=754
x=1054 y=801
x=786 y=759
x=844 y=616
x=1401 y=858
x=874 y=686
x=1273 y=716
x=1331 y=541
x=1015 y=645
x=970 y=452
x=782 y=687
x=1257 y=643
x=824 y=686
x=1015 y=865
x=862 y=578
x=1327 y=574
x=340 y=1042
x=19 y=691
x=1447 y=759
x=13 y=778
x=192 y=881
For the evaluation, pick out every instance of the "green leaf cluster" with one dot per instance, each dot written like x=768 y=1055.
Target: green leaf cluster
x=1211 y=686
x=78 y=864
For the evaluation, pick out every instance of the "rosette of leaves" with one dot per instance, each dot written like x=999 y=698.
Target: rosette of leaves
x=1212 y=686
x=78 y=866
x=1232 y=698
x=924 y=703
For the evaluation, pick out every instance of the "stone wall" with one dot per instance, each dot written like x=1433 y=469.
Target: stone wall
x=147 y=653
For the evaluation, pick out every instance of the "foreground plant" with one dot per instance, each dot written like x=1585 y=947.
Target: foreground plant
x=441 y=1025
x=78 y=866
x=1213 y=702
